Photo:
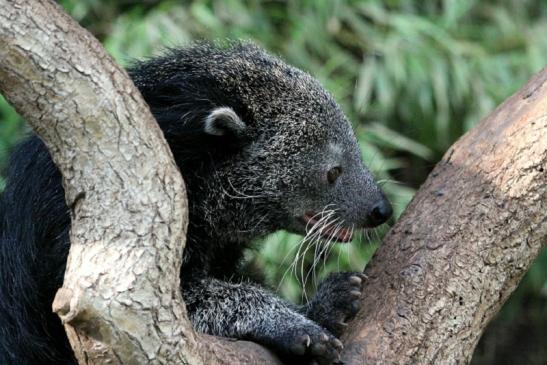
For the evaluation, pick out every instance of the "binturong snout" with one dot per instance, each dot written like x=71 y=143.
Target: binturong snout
x=369 y=206
x=381 y=211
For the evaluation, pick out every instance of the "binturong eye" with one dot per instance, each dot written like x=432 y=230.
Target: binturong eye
x=333 y=174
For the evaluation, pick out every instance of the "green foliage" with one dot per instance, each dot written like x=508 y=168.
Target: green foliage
x=11 y=129
x=412 y=76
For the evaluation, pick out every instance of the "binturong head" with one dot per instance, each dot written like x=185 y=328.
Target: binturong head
x=262 y=144
x=335 y=194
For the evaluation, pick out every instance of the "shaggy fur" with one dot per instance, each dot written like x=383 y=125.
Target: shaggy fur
x=255 y=140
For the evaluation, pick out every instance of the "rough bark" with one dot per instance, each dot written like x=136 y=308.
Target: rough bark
x=443 y=271
x=120 y=301
x=463 y=244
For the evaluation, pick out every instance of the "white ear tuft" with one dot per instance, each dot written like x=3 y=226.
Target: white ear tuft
x=222 y=120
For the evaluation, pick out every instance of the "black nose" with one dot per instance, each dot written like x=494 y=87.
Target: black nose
x=380 y=213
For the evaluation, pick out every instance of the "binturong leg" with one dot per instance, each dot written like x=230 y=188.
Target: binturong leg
x=248 y=312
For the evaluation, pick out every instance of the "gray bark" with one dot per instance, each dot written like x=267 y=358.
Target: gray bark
x=463 y=244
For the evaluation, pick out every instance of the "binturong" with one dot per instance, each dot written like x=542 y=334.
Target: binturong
x=262 y=147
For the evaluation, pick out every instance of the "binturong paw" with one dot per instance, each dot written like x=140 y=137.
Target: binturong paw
x=311 y=344
x=337 y=300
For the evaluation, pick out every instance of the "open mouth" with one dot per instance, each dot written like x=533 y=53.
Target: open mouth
x=328 y=231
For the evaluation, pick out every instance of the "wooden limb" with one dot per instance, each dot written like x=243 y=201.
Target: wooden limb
x=463 y=244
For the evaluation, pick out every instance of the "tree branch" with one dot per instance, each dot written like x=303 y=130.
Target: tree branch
x=463 y=244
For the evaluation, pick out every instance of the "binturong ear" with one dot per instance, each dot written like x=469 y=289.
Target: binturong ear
x=223 y=121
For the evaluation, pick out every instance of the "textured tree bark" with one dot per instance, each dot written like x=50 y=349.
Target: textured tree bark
x=463 y=244
x=120 y=301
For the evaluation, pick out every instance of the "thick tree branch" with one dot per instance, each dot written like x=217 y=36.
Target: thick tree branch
x=462 y=245
x=120 y=301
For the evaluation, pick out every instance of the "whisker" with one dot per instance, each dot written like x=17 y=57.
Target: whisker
x=312 y=238
x=317 y=257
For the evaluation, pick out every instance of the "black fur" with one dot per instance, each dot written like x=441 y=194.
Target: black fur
x=242 y=183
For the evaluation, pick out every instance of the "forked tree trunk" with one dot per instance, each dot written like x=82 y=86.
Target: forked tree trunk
x=443 y=271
